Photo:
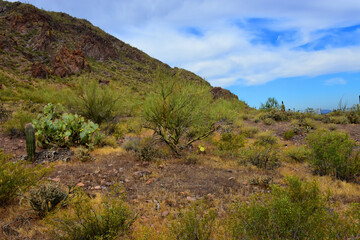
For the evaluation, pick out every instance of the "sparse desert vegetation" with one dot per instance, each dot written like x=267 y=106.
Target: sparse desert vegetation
x=135 y=149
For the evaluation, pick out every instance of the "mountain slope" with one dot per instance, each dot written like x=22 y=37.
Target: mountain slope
x=44 y=44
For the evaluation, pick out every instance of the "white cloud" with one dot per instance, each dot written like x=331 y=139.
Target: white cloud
x=335 y=81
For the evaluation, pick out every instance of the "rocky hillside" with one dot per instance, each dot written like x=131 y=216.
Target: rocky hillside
x=41 y=44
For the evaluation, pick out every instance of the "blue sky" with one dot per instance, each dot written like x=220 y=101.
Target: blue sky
x=306 y=53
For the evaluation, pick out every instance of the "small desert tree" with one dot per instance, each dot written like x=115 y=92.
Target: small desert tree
x=179 y=112
x=271 y=103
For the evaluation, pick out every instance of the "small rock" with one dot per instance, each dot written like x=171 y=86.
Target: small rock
x=97 y=171
x=97 y=187
x=161 y=166
x=80 y=184
x=126 y=180
x=148 y=182
x=164 y=213
x=231 y=178
x=230 y=170
x=121 y=169
x=110 y=165
x=190 y=198
x=55 y=179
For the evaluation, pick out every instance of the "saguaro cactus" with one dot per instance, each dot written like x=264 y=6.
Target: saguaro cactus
x=30 y=140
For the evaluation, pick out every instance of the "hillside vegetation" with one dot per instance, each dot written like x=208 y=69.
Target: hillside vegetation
x=100 y=141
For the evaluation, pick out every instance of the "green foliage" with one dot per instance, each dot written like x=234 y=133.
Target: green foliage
x=146 y=151
x=108 y=141
x=331 y=154
x=339 y=120
x=298 y=154
x=197 y=223
x=16 y=124
x=96 y=102
x=265 y=157
x=271 y=103
x=269 y=121
x=266 y=139
x=249 y=132
x=289 y=134
x=132 y=144
x=16 y=178
x=353 y=116
x=179 y=112
x=30 y=141
x=63 y=130
x=276 y=115
x=47 y=198
x=298 y=211
x=231 y=142
x=109 y=219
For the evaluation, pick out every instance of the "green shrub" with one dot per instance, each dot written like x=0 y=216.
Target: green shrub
x=276 y=115
x=297 y=154
x=63 y=130
x=83 y=154
x=197 y=223
x=97 y=102
x=16 y=178
x=180 y=113
x=16 y=124
x=231 y=142
x=339 y=120
x=132 y=144
x=289 y=134
x=47 y=198
x=249 y=131
x=298 y=211
x=190 y=158
x=353 y=116
x=146 y=152
x=261 y=181
x=265 y=157
x=108 y=141
x=266 y=139
x=109 y=219
x=332 y=154
x=269 y=121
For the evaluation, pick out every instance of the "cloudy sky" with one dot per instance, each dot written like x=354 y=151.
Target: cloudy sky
x=306 y=53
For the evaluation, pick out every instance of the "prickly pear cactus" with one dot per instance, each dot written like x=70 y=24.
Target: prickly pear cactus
x=30 y=141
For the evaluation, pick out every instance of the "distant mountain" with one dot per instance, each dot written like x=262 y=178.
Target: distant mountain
x=43 y=44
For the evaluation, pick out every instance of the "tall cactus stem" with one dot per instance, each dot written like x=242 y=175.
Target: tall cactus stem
x=30 y=141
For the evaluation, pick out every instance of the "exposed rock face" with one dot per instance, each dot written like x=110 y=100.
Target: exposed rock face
x=66 y=63
x=219 y=92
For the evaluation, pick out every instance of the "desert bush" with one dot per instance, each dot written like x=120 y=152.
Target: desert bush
x=197 y=223
x=17 y=121
x=108 y=141
x=332 y=127
x=96 y=102
x=179 y=112
x=231 y=142
x=266 y=139
x=83 y=154
x=298 y=211
x=63 y=130
x=262 y=181
x=48 y=197
x=190 y=158
x=109 y=219
x=289 y=134
x=131 y=144
x=271 y=103
x=339 y=120
x=146 y=152
x=249 y=131
x=265 y=157
x=297 y=154
x=353 y=116
x=276 y=115
x=269 y=121
x=332 y=154
x=16 y=178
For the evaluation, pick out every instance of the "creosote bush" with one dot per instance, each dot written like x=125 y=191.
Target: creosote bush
x=109 y=219
x=298 y=154
x=298 y=211
x=332 y=153
x=16 y=178
x=197 y=223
